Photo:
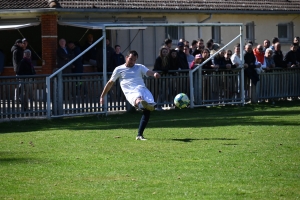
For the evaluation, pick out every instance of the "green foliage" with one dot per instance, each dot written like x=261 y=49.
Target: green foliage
x=229 y=152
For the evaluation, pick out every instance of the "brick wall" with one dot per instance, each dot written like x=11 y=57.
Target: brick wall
x=49 y=42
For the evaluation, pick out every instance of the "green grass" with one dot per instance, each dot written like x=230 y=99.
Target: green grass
x=230 y=152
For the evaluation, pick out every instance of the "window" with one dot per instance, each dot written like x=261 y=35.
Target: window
x=216 y=34
x=250 y=32
x=286 y=32
x=174 y=33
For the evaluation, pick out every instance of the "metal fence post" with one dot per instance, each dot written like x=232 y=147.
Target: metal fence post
x=60 y=93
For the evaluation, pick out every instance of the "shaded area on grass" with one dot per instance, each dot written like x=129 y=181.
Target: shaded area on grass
x=210 y=117
x=193 y=139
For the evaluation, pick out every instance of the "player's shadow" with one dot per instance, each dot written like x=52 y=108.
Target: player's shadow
x=195 y=139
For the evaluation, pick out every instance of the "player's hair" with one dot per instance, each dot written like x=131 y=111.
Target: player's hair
x=133 y=52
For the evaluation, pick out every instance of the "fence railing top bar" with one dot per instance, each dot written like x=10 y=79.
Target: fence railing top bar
x=25 y=76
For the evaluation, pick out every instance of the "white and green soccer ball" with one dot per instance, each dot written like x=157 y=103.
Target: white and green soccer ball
x=181 y=100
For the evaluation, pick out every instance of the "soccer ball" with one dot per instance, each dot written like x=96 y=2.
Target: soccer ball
x=181 y=100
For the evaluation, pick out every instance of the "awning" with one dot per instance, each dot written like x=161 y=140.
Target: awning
x=18 y=26
x=97 y=25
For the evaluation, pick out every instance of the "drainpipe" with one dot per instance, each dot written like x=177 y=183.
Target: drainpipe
x=199 y=29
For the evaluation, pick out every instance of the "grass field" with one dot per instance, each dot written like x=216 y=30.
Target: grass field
x=231 y=152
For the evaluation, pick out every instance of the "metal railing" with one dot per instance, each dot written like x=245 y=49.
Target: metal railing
x=26 y=96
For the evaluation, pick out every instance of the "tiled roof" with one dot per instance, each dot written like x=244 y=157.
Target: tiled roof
x=161 y=5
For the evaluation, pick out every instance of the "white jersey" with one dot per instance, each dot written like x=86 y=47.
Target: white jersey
x=132 y=82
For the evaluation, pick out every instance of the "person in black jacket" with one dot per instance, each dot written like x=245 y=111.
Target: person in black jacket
x=75 y=51
x=278 y=56
x=63 y=56
x=183 y=62
x=117 y=58
x=291 y=58
x=90 y=56
x=251 y=64
x=162 y=61
x=173 y=60
x=17 y=51
x=24 y=68
x=109 y=54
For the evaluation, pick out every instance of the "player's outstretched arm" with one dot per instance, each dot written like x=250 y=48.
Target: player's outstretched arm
x=152 y=73
x=107 y=87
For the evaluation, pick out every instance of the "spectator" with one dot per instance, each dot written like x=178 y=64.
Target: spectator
x=200 y=47
x=197 y=61
x=296 y=40
x=251 y=64
x=63 y=56
x=249 y=42
x=259 y=53
x=17 y=53
x=215 y=46
x=25 y=43
x=2 y=58
x=274 y=41
x=290 y=57
x=173 y=60
x=183 y=63
x=219 y=60
x=109 y=53
x=168 y=43
x=162 y=61
x=25 y=67
x=235 y=58
x=34 y=55
x=193 y=47
x=209 y=46
x=186 y=43
x=162 y=64
x=117 y=58
x=209 y=64
x=269 y=63
x=77 y=65
x=227 y=56
x=266 y=44
x=278 y=56
x=190 y=58
x=91 y=55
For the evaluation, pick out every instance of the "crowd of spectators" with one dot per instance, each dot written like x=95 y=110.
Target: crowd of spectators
x=262 y=58
x=93 y=57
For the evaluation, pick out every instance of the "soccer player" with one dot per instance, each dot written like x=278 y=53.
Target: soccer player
x=134 y=89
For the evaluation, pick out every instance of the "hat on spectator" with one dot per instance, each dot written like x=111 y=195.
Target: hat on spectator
x=23 y=40
x=18 y=41
x=180 y=44
x=198 y=56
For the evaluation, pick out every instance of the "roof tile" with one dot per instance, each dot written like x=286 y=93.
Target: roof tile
x=242 y=5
